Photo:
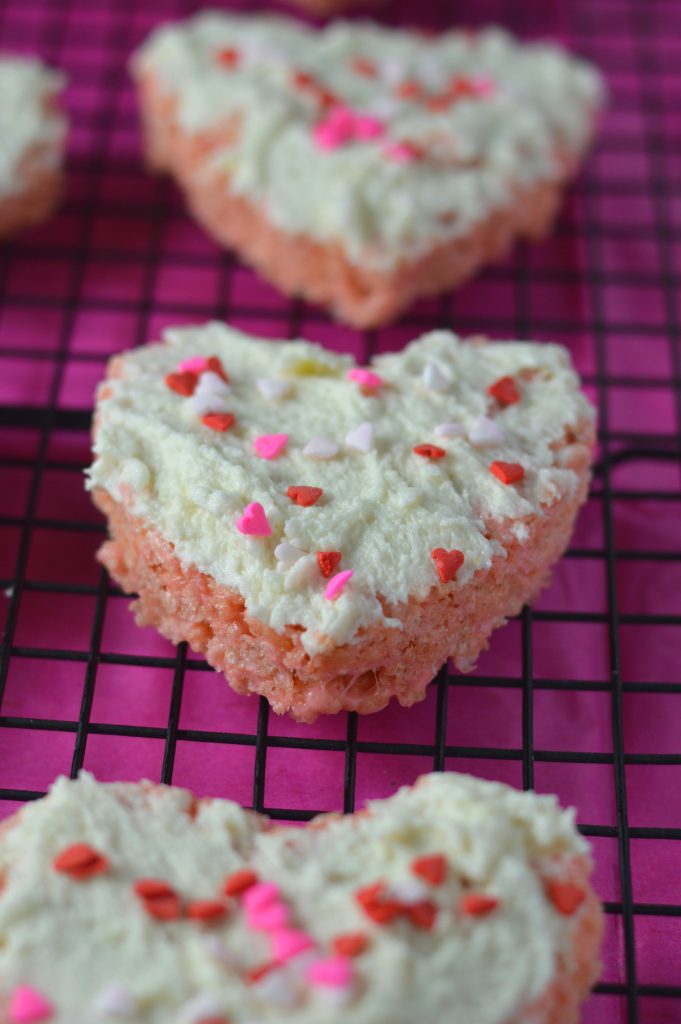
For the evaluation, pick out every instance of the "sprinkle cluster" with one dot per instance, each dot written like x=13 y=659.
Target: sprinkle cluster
x=204 y=382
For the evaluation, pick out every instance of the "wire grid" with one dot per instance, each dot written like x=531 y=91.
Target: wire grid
x=580 y=696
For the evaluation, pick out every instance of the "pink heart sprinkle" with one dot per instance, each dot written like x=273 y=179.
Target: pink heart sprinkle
x=288 y=943
x=401 y=152
x=327 y=136
x=268 y=446
x=337 y=583
x=365 y=378
x=368 y=127
x=196 y=364
x=269 y=918
x=342 y=117
x=332 y=972
x=27 y=1005
x=483 y=86
x=254 y=522
x=260 y=895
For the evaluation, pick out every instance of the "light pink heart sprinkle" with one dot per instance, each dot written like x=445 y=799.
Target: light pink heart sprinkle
x=270 y=917
x=260 y=895
x=368 y=127
x=332 y=972
x=484 y=430
x=289 y=942
x=365 y=378
x=254 y=522
x=361 y=438
x=27 y=1005
x=196 y=364
x=337 y=584
x=450 y=429
x=268 y=446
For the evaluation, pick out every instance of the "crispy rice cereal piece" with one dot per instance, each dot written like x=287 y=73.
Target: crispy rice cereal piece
x=33 y=131
x=362 y=167
x=456 y=899
x=445 y=479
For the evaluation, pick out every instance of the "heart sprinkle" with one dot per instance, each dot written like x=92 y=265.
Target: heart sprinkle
x=288 y=943
x=206 y=910
x=337 y=584
x=365 y=378
x=27 y=1005
x=484 y=431
x=565 y=896
x=273 y=388
x=505 y=391
x=429 y=451
x=431 y=867
x=447 y=563
x=507 y=472
x=229 y=57
x=159 y=899
x=80 y=862
x=271 y=917
x=402 y=152
x=304 y=496
x=182 y=383
x=352 y=944
x=269 y=446
x=361 y=438
x=328 y=561
x=239 y=882
x=219 y=421
x=254 y=522
x=433 y=377
x=260 y=895
x=331 y=972
x=321 y=448
x=362 y=66
x=478 y=904
x=195 y=364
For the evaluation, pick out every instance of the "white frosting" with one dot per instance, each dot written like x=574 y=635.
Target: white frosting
x=380 y=210
x=26 y=120
x=384 y=510
x=90 y=945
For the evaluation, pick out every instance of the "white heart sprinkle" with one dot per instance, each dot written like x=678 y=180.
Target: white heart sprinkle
x=276 y=988
x=483 y=431
x=210 y=395
x=450 y=429
x=115 y=1001
x=433 y=377
x=273 y=388
x=320 y=448
x=409 y=890
x=361 y=438
x=287 y=555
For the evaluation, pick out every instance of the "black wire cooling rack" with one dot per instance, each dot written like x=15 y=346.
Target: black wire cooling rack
x=122 y=259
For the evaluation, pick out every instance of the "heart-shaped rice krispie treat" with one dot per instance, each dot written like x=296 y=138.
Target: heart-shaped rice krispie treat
x=329 y=534
x=455 y=900
x=33 y=134
x=363 y=166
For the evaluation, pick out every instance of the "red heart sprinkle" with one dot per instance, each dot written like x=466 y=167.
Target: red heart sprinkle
x=183 y=383
x=153 y=888
x=239 y=882
x=408 y=90
x=507 y=472
x=422 y=914
x=219 y=421
x=505 y=391
x=431 y=867
x=478 y=904
x=80 y=861
x=328 y=561
x=159 y=898
x=351 y=944
x=429 y=451
x=304 y=496
x=438 y=103
x=229 y=57
x=447 y=563
x=256 y=973
x=365 y=67
x=215 y=365
x=565 y=896
x=376 y=906
x=206 y=910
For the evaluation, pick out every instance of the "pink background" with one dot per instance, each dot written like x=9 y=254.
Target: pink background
x=582 y=696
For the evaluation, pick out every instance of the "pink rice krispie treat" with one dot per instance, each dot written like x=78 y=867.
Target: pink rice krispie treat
x=33 y=133
x=455 y=900
x=328 y=534
x=362 y=166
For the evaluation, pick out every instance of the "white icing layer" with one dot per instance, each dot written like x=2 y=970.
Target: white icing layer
x=91 y=948
x=29 y=122
x=385 y=510
x=534 y=112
